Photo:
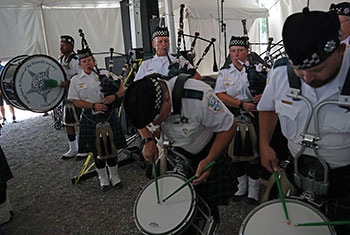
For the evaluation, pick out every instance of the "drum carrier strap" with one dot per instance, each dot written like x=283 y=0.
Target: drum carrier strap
x=180 y=92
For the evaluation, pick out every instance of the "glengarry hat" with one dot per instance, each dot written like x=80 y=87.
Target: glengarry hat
x=68 y=39
x=142 y=100
x=310 y=37
x=83 y=53
x=239 y=41
x=342 y=8
x=160 y=32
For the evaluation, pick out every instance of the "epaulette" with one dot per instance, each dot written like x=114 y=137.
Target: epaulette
x=281 y=62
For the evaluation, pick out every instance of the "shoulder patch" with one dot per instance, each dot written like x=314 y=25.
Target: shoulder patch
x=214 y=104
x=281 y=62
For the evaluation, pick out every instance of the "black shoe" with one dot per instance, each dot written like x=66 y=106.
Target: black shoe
x=119 y=185
x=67 y=157
x=251 y=201
x=238 y=198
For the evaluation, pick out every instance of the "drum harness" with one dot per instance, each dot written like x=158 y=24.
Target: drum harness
x=309 y=184
x=180 y=163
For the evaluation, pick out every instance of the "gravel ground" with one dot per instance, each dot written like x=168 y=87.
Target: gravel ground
x=46 y=202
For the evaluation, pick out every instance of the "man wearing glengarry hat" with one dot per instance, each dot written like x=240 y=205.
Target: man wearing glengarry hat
x=303 y=94
x=343 y=11
x=197 y=123
x=69 y=62
x=160 y=62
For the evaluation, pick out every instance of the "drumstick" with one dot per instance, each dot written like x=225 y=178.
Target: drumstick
x=155 y=179
x=281 y=195
x=326 y=223
x=189 y=181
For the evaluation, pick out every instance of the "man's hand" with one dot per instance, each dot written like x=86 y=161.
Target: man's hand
x=268 y=158
x=202 y=177
x=256 y=98
x=150 y=151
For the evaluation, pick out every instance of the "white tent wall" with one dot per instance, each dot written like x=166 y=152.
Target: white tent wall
x=102 y=28
x=279 y=10
x=202 y=16
x=23 y=31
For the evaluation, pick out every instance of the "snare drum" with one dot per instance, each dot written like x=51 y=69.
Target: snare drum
x=183 y=212
x=22 y=83
x=269 y=218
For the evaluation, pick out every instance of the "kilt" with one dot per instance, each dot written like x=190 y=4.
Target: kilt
x=87 y=131
x=337 y=206
x=221 y=184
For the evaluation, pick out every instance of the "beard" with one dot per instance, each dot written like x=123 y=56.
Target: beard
x=319 y=83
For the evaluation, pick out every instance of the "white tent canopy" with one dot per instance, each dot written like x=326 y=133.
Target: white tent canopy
x=279 y=10
x=35 y=26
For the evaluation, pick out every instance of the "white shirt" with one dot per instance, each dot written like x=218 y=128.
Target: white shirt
x=346 y=40
x=334 y=122
x=86 y=87
x=203 y=118
x=234 y=83
x=72 y=68
x=158 y=64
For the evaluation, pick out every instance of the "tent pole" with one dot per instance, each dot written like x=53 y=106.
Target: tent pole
x=169 y=14
x=44 y=29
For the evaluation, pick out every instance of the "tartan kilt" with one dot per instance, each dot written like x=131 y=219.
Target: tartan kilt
x=221 y=184
x=87 y=131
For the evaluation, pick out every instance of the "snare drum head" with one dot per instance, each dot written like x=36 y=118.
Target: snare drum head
x=269 y=218
x=169 y=216
x=29 y=82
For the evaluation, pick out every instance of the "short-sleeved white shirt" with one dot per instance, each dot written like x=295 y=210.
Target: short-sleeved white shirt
x=334 y=122
x=86 y=87
x=234 y=83
x=203 y=118
x=158 y=64
x=72 y=68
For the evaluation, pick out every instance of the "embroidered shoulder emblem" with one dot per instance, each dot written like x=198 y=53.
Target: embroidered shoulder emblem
x=214 y=104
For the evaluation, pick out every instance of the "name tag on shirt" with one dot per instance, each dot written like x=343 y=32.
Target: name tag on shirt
x=82 y=86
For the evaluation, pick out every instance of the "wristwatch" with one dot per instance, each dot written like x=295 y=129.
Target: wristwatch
x=241 y=105
x=148 y=139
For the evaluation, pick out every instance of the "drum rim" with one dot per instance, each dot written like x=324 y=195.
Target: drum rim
x=186 y=218
x=248 y=217
x=4 y=71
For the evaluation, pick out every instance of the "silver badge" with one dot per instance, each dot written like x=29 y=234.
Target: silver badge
x=330 y=46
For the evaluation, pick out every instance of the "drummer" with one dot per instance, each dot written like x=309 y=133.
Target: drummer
x=69 y=62
x=321 y=63
x=202 y=133
x=232 y=88
x=85 y=92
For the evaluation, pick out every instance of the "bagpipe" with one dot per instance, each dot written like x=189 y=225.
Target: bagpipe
x=174 y=66
x=109 y=86
x=258 y=68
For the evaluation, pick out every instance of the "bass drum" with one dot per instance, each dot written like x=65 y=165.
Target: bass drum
x=22 y=83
